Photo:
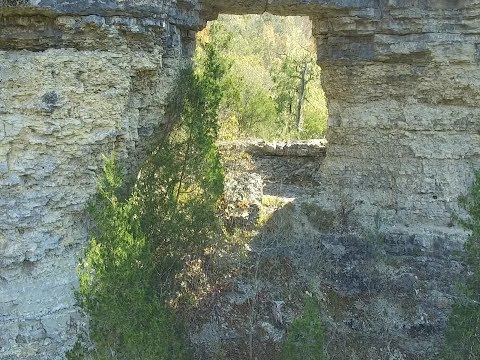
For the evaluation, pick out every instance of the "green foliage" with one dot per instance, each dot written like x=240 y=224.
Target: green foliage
x=286 y=83
x=128 y=320
x=141 y=244
x=269 y=57
x=289 y=75
x=305 y=337
x=182 y=181
x=463 y=333
x=315 y=123
x=258 y=116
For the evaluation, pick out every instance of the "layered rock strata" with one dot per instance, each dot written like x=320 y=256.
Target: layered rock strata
x=76 y=83
x=382 y=295
x=80 y=79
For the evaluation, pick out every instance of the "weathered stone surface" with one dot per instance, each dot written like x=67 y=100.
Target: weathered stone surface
x=71 y=89
x=81 y=78
x=384 y=293
x=300 y=148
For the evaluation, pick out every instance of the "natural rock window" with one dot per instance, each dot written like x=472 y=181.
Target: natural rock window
x=273 y=89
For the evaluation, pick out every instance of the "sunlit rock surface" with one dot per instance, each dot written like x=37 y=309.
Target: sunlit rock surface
x=79 y=79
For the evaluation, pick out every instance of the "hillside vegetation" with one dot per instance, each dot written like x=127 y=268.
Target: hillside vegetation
x=273 y=88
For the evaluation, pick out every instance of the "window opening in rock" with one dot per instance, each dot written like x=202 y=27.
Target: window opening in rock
x=272 y=92
x=273 y=88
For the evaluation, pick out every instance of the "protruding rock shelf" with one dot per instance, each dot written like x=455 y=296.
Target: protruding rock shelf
x=298 y=148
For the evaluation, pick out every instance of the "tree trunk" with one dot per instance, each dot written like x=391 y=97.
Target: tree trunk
x=301 y=97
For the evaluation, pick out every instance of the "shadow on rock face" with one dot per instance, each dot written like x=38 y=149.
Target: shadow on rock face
x=377 y=298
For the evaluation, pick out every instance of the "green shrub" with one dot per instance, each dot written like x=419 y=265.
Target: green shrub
x=127 y=318
x=140 y=245
x=180 y=184
x=305 y=336
x=463 y=333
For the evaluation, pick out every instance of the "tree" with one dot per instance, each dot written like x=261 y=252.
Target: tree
x=291 y=78
x=141 y=244
x=273 y=86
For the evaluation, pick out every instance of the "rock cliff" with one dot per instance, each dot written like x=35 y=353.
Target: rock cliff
x=383 y=295
x=79 y=79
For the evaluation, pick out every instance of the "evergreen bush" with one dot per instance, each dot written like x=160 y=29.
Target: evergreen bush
x=463 y=333
x=140 y=245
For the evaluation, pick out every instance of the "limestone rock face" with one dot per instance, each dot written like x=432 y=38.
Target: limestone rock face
x=403 y=88
x=71 y=89
x=79 y=79
x=384 y=294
